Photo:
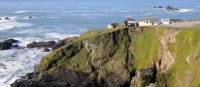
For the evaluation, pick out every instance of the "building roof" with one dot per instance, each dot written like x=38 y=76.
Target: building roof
x=171 y=20
x=131 y=22
x=130 y=19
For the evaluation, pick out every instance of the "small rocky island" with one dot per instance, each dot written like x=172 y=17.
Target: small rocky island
x=168 y=8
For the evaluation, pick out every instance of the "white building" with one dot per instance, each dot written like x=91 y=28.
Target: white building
x=167 y=21
x=130 y=22
x=150 y=21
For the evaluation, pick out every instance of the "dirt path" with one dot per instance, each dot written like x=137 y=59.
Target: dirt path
x=183 y=24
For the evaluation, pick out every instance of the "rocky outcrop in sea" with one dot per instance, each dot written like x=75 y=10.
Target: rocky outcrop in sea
x=168 y=8
x=8 y=44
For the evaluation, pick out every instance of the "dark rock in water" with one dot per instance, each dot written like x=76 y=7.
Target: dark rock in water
x=11 y=41
x=48 y=44
x=2 y=64
x=15 y=46
x=5 y=46
x=158 y=7
x=8 y=44
x=28 y=76
x=30 y=17
x=170 y=8
x=7 y=18
x=47 y=49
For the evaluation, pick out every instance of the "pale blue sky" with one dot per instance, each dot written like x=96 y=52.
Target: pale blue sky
x=98 y=2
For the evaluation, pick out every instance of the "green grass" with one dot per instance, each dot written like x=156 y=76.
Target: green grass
x=145 y=48
x=95 y=33
x=187 y=44
x=89 y=34
x=113 y=44
x=146 y=45
x=80 y=62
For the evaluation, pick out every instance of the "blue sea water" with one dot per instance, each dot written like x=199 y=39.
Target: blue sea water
x=60 y=18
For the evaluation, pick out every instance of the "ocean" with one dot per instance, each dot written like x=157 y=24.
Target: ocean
x=58 y=19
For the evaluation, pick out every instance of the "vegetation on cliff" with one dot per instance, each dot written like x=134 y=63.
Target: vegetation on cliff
x=135 y=57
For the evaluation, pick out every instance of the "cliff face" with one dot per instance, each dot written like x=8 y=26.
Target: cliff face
x=140 y=57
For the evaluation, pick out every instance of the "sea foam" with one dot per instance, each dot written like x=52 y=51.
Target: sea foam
x=185 y=10
x=59 y=36
x=11 y=23
x=17 y=62
x=18 y=12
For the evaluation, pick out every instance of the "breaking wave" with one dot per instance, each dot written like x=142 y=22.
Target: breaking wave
x=19 y=12
x=10 y=23
x=185 y=10
x=17 y=62
x=59 y=36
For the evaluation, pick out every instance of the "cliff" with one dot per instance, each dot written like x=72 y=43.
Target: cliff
x=134 y=57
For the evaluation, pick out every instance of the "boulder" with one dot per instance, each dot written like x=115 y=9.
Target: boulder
x=5 y=46
x=158 y=7
x=7 y=18
x=11 y=41
x=170 y=8
x=47 y=49
x=30 y=17
x=8 y=44
x=144 y=77
x=48 y=44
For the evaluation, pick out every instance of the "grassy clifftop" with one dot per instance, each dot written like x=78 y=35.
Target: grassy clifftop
x=135 y=57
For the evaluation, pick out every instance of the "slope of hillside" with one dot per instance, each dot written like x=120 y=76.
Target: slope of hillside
x=134 y=57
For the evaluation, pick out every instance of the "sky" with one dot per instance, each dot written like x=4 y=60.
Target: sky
x=97 y=2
